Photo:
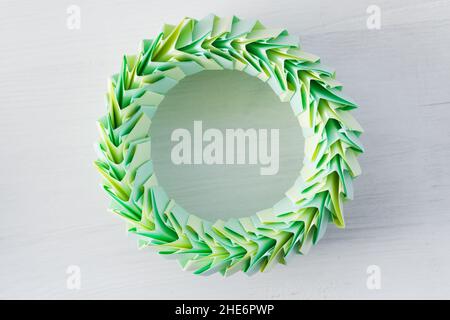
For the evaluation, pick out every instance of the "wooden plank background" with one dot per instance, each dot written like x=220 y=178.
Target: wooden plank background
x=53 y=213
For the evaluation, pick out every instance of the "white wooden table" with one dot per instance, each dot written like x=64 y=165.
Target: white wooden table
x=53 y=212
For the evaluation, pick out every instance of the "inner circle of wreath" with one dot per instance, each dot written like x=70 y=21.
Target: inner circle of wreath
x=253 y=243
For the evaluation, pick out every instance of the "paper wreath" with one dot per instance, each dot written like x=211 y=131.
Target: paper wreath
x=249 y=244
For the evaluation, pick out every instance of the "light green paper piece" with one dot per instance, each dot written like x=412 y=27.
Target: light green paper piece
x=249 y=244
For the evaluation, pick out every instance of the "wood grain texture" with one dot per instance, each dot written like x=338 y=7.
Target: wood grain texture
x=53 y=213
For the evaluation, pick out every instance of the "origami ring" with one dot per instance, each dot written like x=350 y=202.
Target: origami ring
x=249 y=244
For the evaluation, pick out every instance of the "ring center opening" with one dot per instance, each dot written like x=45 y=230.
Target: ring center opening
x=224 y=145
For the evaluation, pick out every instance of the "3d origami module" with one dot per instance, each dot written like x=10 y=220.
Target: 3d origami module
x=249 y=244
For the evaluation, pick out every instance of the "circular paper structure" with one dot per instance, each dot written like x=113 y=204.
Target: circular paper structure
x=249 y=244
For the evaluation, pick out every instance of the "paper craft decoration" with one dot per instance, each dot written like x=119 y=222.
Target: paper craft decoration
x=249 y=244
